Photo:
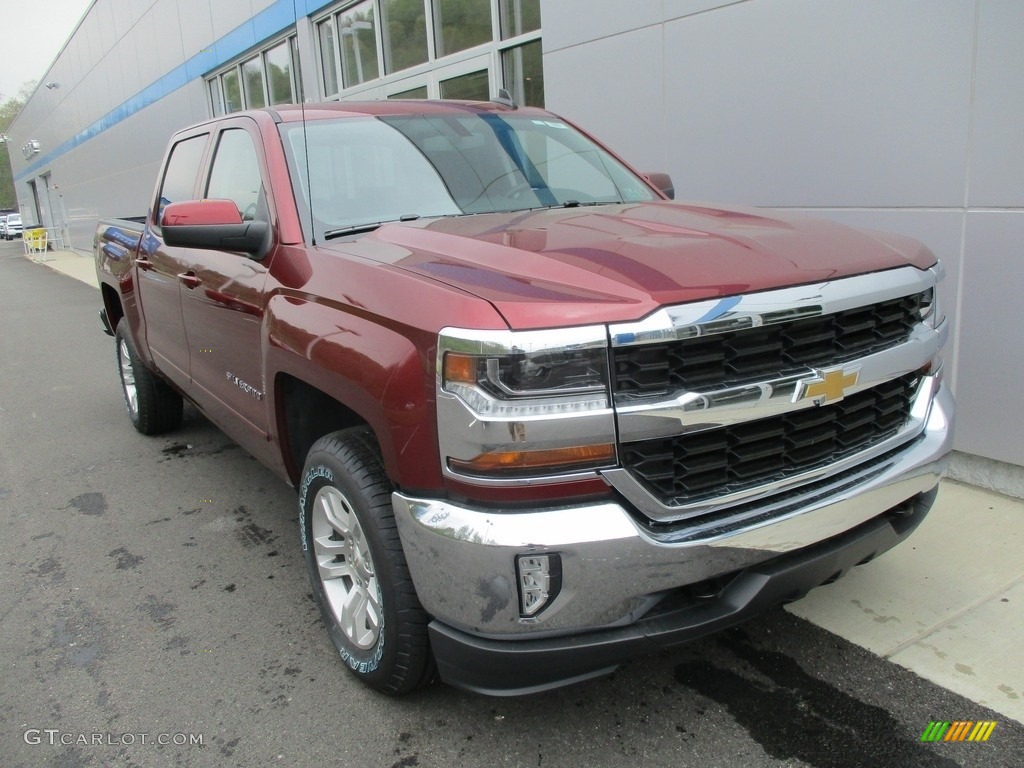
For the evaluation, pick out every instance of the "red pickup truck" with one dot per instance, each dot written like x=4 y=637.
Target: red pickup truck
x=540 y=417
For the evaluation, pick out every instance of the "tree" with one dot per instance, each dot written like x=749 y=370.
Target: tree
x=9 y=109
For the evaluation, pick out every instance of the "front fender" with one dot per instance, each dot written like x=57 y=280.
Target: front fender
x=379 y=371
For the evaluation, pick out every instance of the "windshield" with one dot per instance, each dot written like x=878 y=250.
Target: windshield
x=368 y=170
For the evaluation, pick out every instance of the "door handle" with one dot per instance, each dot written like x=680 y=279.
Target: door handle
x=143 y=263
x=190 y=280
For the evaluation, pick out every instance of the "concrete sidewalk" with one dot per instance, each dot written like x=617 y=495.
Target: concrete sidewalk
x=71 y=263
x=948 y=603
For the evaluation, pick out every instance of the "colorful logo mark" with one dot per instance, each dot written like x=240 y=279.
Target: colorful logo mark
x=958 y=730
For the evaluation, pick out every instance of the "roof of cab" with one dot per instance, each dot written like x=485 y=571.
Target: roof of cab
x=333 y=109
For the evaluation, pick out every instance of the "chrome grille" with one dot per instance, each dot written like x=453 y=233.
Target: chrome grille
x=739 y=357
x=694 y=466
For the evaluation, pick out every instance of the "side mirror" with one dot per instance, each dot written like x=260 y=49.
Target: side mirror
x=664 y=183
x=216 y=225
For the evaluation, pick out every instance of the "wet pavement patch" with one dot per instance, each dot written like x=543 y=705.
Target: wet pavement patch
x=90 y=503
x=125 y=559
x=794 y=715
x=159 y=611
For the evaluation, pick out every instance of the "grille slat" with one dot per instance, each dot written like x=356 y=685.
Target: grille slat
x=740 y=357
x=691 y=467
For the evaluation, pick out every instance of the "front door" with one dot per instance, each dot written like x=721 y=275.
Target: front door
x=222 y=292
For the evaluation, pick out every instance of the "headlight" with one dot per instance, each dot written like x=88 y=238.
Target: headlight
x=532 y=404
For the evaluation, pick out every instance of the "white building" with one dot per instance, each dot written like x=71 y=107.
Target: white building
x=902 y=115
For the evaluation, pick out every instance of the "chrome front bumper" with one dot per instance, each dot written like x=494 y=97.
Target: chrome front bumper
x=614 y=568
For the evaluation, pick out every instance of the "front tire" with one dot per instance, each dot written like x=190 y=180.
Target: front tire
x=153 y=406
x=357 y=569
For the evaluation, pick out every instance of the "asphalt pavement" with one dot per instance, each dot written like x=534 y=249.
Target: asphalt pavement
x=155 y=611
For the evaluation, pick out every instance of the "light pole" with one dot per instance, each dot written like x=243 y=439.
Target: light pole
x=352 y=30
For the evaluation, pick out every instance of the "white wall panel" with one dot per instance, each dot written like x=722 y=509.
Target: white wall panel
x=128 y=60
x=991 y=351
x=675 y=9
x=139 y=8
x=196 y=25
x=808 y=103
x=997 y=149
x=570 y=22
x=228 y=14
x=168 y=44
x=623 y=77
x=145 y=33
x=104 y=16
x=122 y=18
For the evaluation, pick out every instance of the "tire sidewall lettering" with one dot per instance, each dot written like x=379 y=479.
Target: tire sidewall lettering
x=314 y=479
x=362 y=665
x=319 y=472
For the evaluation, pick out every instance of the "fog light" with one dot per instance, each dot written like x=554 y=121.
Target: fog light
x=540 y=580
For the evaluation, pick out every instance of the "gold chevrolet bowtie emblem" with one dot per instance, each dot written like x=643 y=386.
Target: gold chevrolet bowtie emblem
x=827 y=386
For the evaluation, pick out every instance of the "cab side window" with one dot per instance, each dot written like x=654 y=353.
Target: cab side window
x=182 y=172
x=236 y=175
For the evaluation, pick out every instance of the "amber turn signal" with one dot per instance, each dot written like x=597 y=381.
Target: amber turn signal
x=512 y=462
x=460 y=368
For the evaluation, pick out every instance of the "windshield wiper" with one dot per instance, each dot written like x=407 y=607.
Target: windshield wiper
x=358 y=229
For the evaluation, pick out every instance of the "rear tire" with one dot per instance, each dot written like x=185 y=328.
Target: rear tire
x=153 y=406
x=357 y=569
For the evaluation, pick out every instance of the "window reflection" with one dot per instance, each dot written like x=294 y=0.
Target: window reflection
x=232 y=91
x=358 y=44
x=518 y=17
x=471 y=87
x=279 y=77
x=236 y=174
x=328 y=57
x=461 y=24
x=411 y=93
x=524 y=74
x=216 y=99
x=252 y=75
x=404 y=34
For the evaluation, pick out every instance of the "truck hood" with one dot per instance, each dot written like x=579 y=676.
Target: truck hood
x=575 y=266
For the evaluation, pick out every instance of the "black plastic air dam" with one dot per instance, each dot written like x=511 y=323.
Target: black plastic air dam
x=517 y=667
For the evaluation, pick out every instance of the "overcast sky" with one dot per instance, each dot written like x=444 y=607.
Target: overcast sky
x=34 y=31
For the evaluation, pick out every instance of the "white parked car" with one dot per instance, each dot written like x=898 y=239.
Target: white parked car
x=10 y=226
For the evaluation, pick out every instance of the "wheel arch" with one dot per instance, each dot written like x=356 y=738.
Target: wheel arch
x=112 y=305
x=305 y=414
x=329 y=368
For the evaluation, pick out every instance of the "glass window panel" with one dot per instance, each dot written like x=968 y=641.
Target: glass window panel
x=252 y=75
x=461 y=24
x=216 y=99
x=236 y=175
x=182 y=171
x=232 y=91
x=472 y=87
x=523 y=70
x=404 y=33
x=361 y=170
x=412 y=93
x=293 y=46
x=358 y=44
x=328 y=57
x=279 y=74
x=518 y=16
x=506 y=161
